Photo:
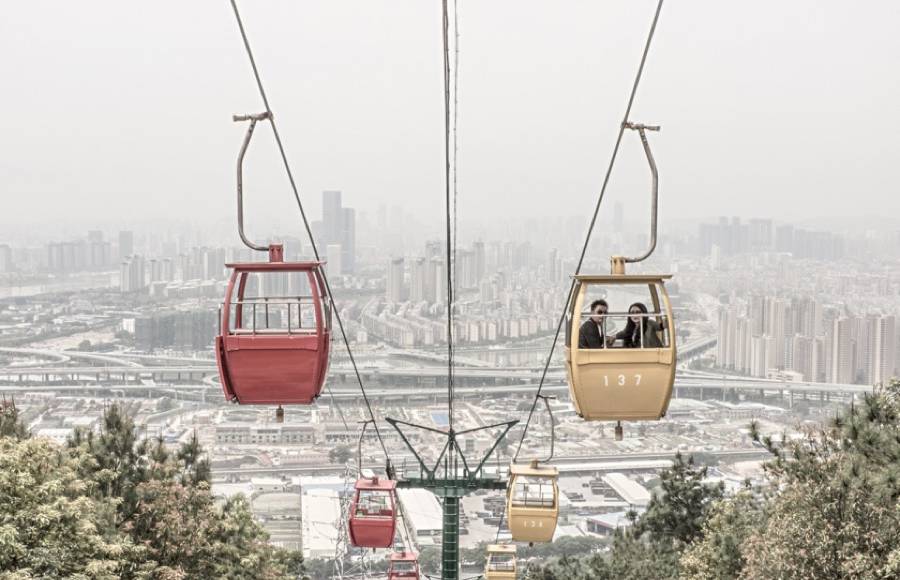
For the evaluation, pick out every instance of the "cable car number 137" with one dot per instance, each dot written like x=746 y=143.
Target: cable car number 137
x=621 y=380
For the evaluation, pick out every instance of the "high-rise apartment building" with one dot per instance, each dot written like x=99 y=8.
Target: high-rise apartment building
x=762 y=355
x=132 y=274
x=805 y=357
x=878 y=362
x=418 y=280
x=839 y=368
x=437 y=280
x=480 y=262
x=761 y=235
x=126 y=244
x=396 y=289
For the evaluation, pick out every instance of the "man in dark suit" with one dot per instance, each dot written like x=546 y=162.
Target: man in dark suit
x=591 y=334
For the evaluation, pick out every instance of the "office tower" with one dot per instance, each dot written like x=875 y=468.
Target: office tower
x=126 y=244
x=396 y=292
x=338 y=227
x=332 y=216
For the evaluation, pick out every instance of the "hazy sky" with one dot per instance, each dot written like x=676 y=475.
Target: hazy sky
x=121 y=110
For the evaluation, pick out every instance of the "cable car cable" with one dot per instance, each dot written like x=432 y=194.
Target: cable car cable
x=612 y=161
x=455 y=134
x=449 y=222
x=306 y=223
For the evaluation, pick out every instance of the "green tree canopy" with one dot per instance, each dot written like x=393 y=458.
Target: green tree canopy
x=108 y=506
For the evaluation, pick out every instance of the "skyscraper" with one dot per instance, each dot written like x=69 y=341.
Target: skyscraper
x=338 y=228
x=348 y=240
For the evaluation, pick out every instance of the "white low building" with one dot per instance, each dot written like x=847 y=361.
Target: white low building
x=632 y=492
x=320 y=512
x=424 y=515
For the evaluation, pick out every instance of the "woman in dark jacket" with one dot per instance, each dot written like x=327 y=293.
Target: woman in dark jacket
x=641 y=327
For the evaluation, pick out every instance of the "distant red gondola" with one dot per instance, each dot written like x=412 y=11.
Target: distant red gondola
x=275 y=334
x=373 y=514
x=404 y=566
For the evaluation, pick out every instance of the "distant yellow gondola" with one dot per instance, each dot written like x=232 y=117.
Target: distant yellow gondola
x=614 y=383
x=532 y=502
x=501 y=562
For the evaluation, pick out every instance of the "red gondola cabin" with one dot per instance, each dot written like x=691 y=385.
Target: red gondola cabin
x=275 y=336
x=373 y=514
x=404 y=566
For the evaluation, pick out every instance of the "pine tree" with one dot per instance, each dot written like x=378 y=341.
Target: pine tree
x=107 y=506
x=831 y=510
x=10 y=425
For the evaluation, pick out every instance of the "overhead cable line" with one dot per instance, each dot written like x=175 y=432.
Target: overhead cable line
x=455 y=138
x=306 y=224
x=449 y=225
x=587 y=240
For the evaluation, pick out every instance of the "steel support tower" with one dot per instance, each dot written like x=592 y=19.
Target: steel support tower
x=450 y=478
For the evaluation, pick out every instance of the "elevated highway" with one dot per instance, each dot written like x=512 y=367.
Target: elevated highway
x=566 y=464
